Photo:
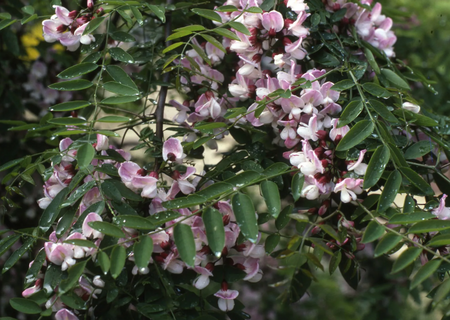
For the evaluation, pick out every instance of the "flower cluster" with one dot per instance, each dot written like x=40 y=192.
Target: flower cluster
x=370 y=24
x=241 y=256
x=68 y=27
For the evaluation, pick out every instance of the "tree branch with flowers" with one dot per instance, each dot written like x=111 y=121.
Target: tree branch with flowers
x=322 y=122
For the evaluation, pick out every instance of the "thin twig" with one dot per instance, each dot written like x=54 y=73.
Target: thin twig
x=159 y=113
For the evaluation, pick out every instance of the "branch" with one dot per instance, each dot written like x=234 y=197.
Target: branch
x=159 y=113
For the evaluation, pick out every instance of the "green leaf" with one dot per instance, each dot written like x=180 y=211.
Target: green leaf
x=134 y=222
x=184 y=239
x=276 y=169
x=208 y=14
x=372 y=232
x=119 y=54
x=226 y=33
x=85 y=155
x=118 y=88
x=377 y=164
x=210 y=126
x=69 y=106
x=68 y=121
x=424 y=272
x=267 y=5
x=343 y=85
x=163 y=217
x=103 y=261
x=119 y=99
x=143 y=251
x=93 y=58
x=66 y=220
x=386 y=244
x=215 y=190
x=28 y=19
x=185 y=202
x=413 y=217
x=82 y=243
x=194 y=27
x=179 y=34
x=51 y=212
x=120 y=76
x=356 y=135
x=315 y=20
x=239 y=27
x=227 y=8
x=107 y=228
x=406 y=258
x=271 y=242
x=71 y=85
x=300 y=282
x=118 y=259
x=173 y=46
x=284 y=217
x=215 y=231
x=6 y=23
x=254 y=10
x=330 y=231
x=383 y=111
x=417 y=180
x=245 y=216
x=7 y=16
x=419 y=149
x=159 y=11
x=74 y=274
x=417 y=119
x=351 y=111
x=243 y=179
x=10 y=164
x=26 y=306
x=429 y=226
x=114 y=119
x=390 y=191
x=36 y=266
x=17 y=254
x=77 y=70
x=442 y=292
x=8 y=242
x=439 y=241
x=137 y=15
x=297 y=185
x=397 y=156
x=122 y=36
x=395 y=79
x=376 y=90
x=271 y=195
x=214 y=42
x=92 y=25
x=370 y=58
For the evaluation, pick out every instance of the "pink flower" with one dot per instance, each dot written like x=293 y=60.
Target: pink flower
x=87 y=230
x=65 y=314
x=309 y=131
x=173 y=150
x=411 y=107
x=335 y=132
x=442 y=212
x=226 y=299
x=273 y=22
x=102 y=142
x=60 y=254
x=32 y=290
x=357 y=166
x=349 y=188
x=202 y=281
